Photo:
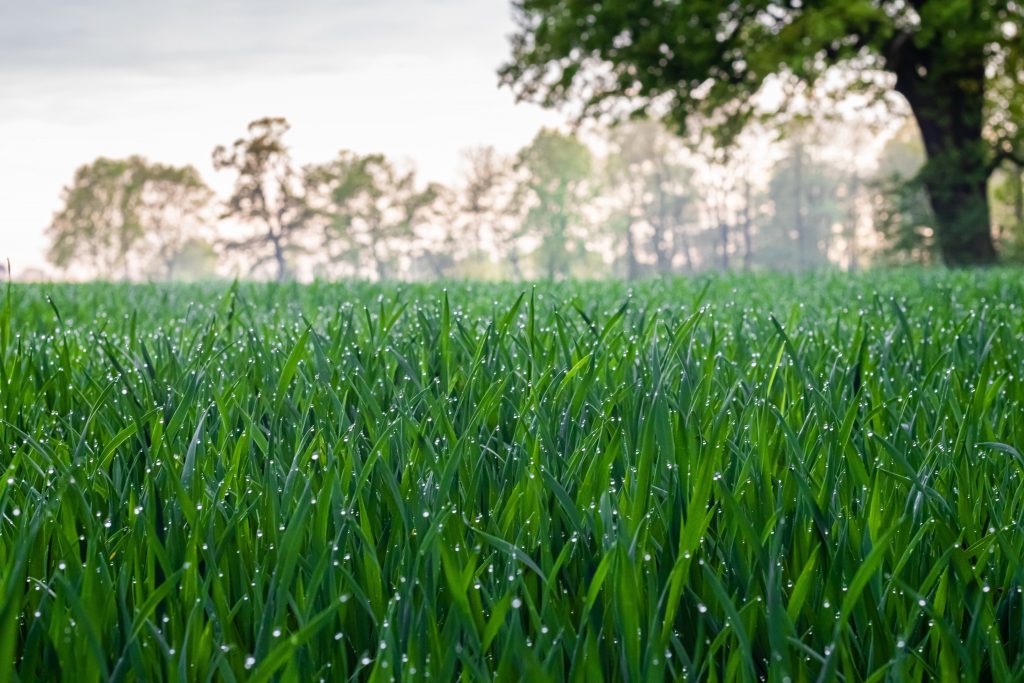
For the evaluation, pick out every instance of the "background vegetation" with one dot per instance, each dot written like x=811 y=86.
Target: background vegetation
x=631 y=201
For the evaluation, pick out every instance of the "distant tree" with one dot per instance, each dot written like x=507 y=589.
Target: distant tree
x=439 y=235
x=481 y=192
x=1008 y=209
x=554 y=171
x=717 y=194
x=123 y=213
x=946 y=58
x=1006 y=99
x=722 y=191
x=856 y=192
x=902 y=215
x=805 y=196
x=269 y=197
x=174 y=210
x=343 y=193
x=647 y=166
x=617 y=197
x=491 y=211
x=373 y=209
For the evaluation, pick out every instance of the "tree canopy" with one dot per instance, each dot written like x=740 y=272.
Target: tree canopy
x=268 y=196
x=370 y=206
x=125 y=213
x=555 y=168
x=957 y=63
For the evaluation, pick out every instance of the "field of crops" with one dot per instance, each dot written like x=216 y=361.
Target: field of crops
x=767 y=478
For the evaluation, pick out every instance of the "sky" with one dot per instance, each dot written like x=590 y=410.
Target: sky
x=414 y=79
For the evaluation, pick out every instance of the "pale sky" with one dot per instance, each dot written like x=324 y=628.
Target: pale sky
x=414 y=79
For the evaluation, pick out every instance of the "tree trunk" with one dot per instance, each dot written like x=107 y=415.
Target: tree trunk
x=662 y=254
x=948 y=106
x=684 y=243
x=279 y=260
x=723 y=234
x=723 y=231
x=513 y=259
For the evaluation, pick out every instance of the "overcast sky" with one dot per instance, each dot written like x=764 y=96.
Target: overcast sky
x=414 y=79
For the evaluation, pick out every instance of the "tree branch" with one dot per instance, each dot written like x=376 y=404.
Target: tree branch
x=1003 y=155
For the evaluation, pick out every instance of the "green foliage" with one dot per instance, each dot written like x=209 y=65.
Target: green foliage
x=120 y=214
x=712 y=56
x=555 y=169
x=957 y=63
x=765 y=477
x=268 y=196
x=370 y=205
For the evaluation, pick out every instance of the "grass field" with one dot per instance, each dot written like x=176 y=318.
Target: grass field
x=779 y=478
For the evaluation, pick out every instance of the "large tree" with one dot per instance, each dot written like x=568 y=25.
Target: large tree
x=122 y=214
x=269 y=197
x=956 y=62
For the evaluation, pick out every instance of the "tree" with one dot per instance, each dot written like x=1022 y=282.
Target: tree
x=1008 y=209
x=343 y=192
x=555 y=168
x=945 y=57
x=120 y=213
x=647 y=165
x=903 y=216
x=804 y=193
x=485 y=174
x=174 y=210
x=269 y=197
x=491 y=209
x=372 y=207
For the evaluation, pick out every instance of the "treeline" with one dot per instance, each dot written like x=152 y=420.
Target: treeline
x=633 y=201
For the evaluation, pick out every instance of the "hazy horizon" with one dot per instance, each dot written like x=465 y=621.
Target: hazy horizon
x=114 y=78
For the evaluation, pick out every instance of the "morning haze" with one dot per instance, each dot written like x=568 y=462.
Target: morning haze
x=544 y=340
x=415 y=80
x=463 y=177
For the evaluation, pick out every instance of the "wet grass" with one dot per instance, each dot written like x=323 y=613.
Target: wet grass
x=813 y=478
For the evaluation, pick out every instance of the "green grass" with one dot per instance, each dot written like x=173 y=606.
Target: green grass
x=813 y=478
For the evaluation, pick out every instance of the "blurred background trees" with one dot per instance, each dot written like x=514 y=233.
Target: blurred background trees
x=630 y=200
x=956 y=64
x=269 y=199
x=713 y=135
x=554 y=173
x=124 y=218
